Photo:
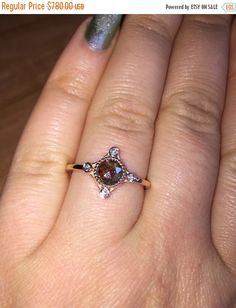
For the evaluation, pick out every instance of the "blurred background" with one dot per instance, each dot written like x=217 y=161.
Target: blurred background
x=29 y=48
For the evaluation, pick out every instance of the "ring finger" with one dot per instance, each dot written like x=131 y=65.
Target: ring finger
x=123 y=113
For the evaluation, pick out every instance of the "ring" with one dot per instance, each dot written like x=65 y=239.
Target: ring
x=109 y=172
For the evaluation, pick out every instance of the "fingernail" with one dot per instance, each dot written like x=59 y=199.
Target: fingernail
x=102 y=30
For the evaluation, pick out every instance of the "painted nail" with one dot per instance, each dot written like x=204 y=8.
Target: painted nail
x=102 y=29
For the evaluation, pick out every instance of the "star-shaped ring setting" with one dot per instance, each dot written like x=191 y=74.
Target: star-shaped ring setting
x=109 y=172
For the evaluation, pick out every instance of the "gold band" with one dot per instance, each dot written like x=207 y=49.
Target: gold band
x=71 y=167
x=145 y=183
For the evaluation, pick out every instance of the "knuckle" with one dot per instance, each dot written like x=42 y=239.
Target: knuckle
x=212 y=23
x=151 y=26
x=193 y=110
x=71 y=87
x=126 y=116
x=39 y=163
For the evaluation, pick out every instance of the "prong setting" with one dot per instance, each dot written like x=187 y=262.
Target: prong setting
x=114 y=152
x=104 y=192
x=131 y=177
x=87 y=167
x=109 y=172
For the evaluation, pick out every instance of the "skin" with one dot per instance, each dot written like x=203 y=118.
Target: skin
x=166 y=98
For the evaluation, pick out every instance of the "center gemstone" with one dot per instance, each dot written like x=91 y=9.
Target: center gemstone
x=110 y=172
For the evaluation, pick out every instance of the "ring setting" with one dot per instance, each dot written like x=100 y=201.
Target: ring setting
x=109 y=172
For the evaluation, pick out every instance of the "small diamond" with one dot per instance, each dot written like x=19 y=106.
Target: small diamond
x=87 y=167
x=114 y=151
x=104 y=192
x=132 y=178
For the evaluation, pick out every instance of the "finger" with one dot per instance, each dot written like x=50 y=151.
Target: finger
x=37 y=181
x=184 y=161
x=224 y=205
x=122 y=114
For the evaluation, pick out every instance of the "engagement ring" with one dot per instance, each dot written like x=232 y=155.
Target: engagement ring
x=109 y=172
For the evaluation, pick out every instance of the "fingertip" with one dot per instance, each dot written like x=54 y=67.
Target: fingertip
x=101 y=30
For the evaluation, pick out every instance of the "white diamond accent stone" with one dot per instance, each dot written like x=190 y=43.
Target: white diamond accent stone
x=114 y=151
x=87 y=167
x=104 y=192
x=132 y=178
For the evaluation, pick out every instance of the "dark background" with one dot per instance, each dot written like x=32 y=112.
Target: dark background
x=29 y=48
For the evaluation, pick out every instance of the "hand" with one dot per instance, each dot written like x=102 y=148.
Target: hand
x=158 y=92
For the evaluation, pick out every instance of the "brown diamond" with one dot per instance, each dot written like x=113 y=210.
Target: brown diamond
x=110 y=171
